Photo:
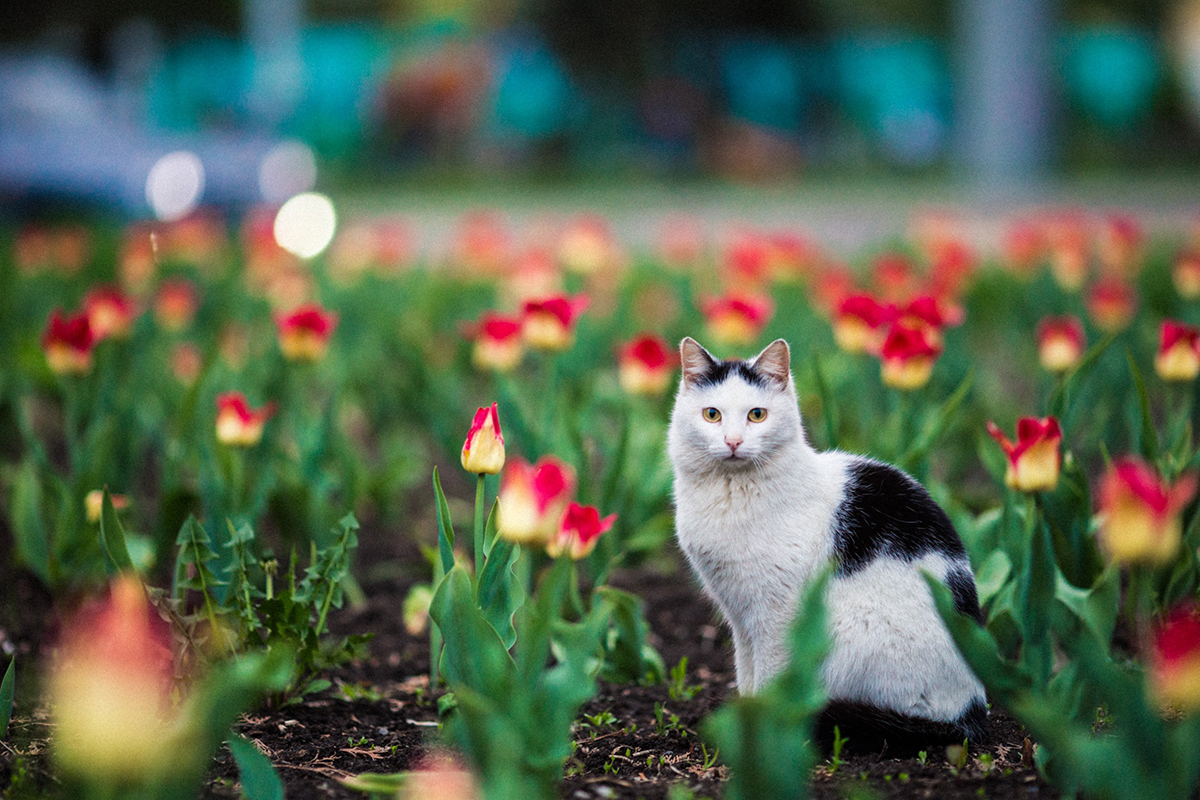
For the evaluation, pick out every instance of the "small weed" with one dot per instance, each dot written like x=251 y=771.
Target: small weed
x=836 y=761
x=986 y=762
x=710 y=759
x=903 y=776
x=665 y=722
x=362 y=742
x=679 y=689
x=956 y=754
x=923 y=757
x=596 y=722
x=358 y=691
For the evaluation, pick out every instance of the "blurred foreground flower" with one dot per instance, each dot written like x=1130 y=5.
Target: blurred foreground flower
x=1141 y=522
x=1060 y=343
x=1185 y=274
x=483 y=451
x=93 y=504
x=110 y=312
x=68 y=343
x=1174 y=669
x=1119 y=246
x=175 y=304
x=737 y=319
x=238 y=425
x=1034 y=460
x=860 y=324
x=1111 y=303
x=1024 y=247
x=304 y=333
x=1067 y=239
x=110 y=691
x=645 y=366
x=578 y=532
x=1178 y=357
x=587 y=246
x=186 y=363
x=498 y=343
x=415 y=611
x=549 y=323
x=907 y=357
x=533 y=498
x=440 y=779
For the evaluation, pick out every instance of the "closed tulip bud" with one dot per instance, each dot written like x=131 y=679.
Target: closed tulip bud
x=110 y=691
x=175 y=304
x=587 y=246
x=1174 y=669
x=532 y=499
x=737 y=319
x=93 y=504
x=1060 y=343
x=238 y=425
x=860 y=323
x=483 y=451
x=907 y=358
x=645 y=366
x=1185 y=274
x=1178 y=356
x=1069 y=251
x=498 y=343
x=110 y=312
x=304 y=333
x=68 y=343
x=1111 y=304
x=1141 y=522
x=578 y=532
x=549 y=324
x=1034 y=460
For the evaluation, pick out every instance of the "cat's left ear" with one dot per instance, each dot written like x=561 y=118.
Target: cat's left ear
x=775 y=362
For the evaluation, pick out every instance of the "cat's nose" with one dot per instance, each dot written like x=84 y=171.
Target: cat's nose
x=733 y=442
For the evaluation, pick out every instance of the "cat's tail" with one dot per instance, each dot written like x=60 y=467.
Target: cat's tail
x=870 y=729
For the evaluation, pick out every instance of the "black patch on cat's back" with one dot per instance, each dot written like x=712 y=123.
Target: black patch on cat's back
x=966 y=600
x=720 y=371
x=887 y=513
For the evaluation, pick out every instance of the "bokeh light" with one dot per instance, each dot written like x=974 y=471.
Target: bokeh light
x=175 y=185
x=305 y=224
x=287 y=170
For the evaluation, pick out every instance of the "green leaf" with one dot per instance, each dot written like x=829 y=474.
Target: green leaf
x=474 y=655
x=30 y=536
x=1062 y=393
x=1096 y=607
x=376 y=782
x=195 y=552
x=991 y=575
x=828 y=404
x=445 y=526
x=112 y=539
x=629 y=658
x=7 y=689
x=1149 y=436
x=937 y=423
x=259 y=779
x=500 y=593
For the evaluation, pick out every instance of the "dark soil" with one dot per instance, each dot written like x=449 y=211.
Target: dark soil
x=632 y=741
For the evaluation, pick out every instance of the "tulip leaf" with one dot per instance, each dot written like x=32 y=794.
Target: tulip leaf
x=259 y=778
x=1062 y=393
x=7 y=689
x=991 y=575
x=1096 y=607
x=828 y=404
x=499 y=591
x=388 y=784
x=1149 y=436
x=629 y=658
x=937 y=423
x=29 y=530
x=112 y=539
x=474 y=656
x=445 y=526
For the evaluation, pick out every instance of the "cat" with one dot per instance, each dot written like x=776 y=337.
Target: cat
x=759 y=511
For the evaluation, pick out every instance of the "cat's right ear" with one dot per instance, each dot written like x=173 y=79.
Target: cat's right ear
x=696 y=361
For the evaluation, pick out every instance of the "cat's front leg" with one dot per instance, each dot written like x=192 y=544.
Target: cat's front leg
x=743 y=659
x=770 y=646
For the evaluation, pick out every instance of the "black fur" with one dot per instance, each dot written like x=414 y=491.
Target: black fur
x=966 y=600
x=887 y=513
x=719 y=371
x=870 y=729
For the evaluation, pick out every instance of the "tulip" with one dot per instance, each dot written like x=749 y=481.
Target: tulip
x=907 y=357
x=578 y=532
x=304 y=334
x=549 y=324
x=1111 y=303
x=1024 y=247
x=952 y=268
x=747 y=260
x=1141 y=522
x=440 y=779
x=110 y=312
x=483 y=451
x=238 y=425
x=415 y=610
x=533 y=274
x=110 y=691
x=859 y=324
x=533 y=498
x=498 y=343
x=587 y=246
x=833 y=284
x=175 y=304
x=1174 y=669
x=792 y=256
x=681 y=241
x=1178 y=356
x=93 y=504
x=894 y=276
x=1068 y=244
x=137 y=260
x=68 y=343
x=483 y=243
x=1119 y=245
x=1034 y=460
x=645 y=366
x=1185 y=274
x=1060 y=343
x=186 y=362
x=737 y=319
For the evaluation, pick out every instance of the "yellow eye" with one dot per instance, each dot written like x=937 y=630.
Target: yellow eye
x=711 y=415
x=757 y=414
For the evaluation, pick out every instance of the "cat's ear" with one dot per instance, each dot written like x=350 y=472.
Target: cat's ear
x=695 y=359
x=775 y=362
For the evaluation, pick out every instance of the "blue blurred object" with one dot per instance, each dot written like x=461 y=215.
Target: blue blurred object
x=896 y=87
x=533 y=95
x=59 y=139
x=1111 y=73
x=762 y=82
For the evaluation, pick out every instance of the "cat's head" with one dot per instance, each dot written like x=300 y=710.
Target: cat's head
x=733 y=414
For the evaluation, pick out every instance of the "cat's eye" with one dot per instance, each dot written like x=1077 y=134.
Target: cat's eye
x=757 y=414
x=711 y=414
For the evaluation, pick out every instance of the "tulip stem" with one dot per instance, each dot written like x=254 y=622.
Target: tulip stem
x=479 y=552
x=575 y=596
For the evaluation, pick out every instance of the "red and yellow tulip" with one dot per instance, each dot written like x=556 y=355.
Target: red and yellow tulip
x=1178 y=357
x=1060 y=342
x=533 y=498
x=907 y=357
x=68 y=343
x=1035 y=459
x=239 y=425
x=483 y=450
x=304 y=333
x=578 y=532
x=1141 y=513
x=1174 y=668
x=645 y=365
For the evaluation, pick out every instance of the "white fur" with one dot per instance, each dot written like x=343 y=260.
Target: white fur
x=757 y=526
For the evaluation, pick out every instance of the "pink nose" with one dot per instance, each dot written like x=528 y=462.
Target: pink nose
x=733 y=442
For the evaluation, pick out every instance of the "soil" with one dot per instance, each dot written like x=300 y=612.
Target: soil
x=379 y=716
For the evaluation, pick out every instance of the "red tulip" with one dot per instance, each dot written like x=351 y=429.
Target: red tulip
x=578 y=532
x=1034 y=460
x=304 y=333
x=68 y=343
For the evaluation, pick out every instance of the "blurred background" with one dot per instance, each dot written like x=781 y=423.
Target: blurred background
x=147 y=107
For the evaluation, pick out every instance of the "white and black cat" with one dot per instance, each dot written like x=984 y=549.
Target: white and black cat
x=759 y=512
